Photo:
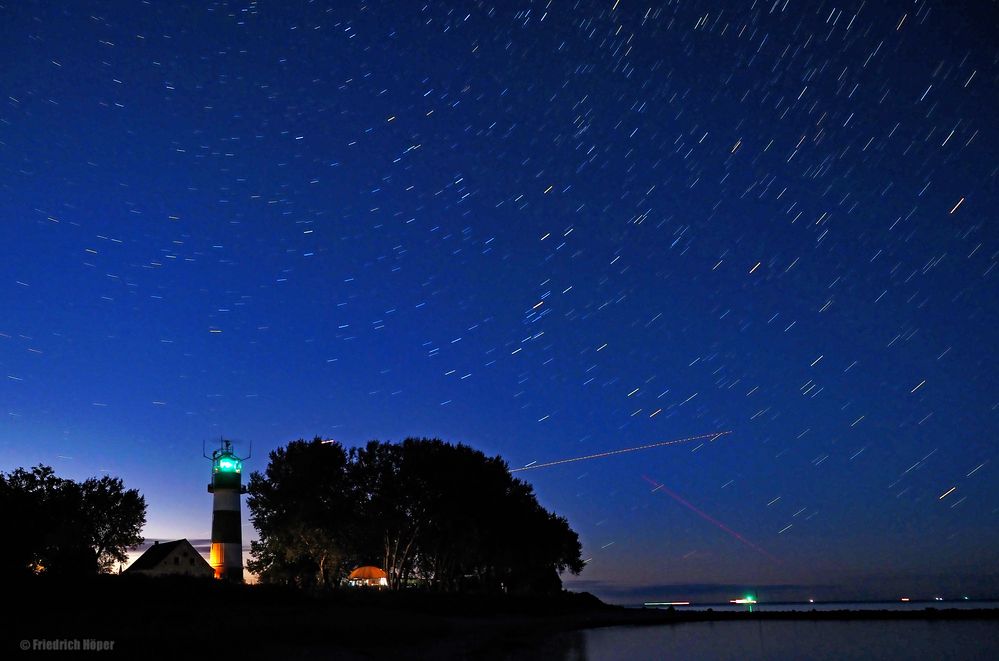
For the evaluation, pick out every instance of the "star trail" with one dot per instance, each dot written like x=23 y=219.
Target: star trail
x=545 y=229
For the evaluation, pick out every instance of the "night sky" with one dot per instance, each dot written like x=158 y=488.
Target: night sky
x=545 y=229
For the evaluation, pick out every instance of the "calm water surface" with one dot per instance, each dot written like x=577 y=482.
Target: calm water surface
x=778 y=641
x=844 y=606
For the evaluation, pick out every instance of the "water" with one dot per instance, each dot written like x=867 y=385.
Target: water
x=846 y=606
x=793 y=640
x=778 y=640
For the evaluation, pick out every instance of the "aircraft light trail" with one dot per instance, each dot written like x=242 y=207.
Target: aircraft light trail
x=548 y=464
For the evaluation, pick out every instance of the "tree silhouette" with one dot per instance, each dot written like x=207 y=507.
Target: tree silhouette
x=391 y=507
x=60 y=527
x=442 y=516
x=114 y=519
x=301 y=507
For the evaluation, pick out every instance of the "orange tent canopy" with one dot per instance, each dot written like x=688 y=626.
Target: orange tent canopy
x=368 y=572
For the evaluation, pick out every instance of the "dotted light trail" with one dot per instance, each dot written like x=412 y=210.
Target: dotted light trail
x=712 y=436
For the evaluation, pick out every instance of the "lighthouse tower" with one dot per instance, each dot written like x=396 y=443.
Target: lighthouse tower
x=226 y=556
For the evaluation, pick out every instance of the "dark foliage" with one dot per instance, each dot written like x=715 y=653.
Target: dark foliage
x=302 y=508
x=434 y=515
x=60 y=527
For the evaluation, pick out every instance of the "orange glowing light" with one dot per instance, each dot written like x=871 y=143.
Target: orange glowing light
x=216 y=557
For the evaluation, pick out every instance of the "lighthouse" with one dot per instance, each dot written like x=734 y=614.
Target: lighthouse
x=226 y=556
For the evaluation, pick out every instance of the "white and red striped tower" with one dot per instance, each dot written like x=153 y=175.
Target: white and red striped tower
x=226 y=556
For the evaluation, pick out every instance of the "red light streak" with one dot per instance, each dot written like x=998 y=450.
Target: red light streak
x=707 y=517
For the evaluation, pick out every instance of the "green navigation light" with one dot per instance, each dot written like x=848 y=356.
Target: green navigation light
x=228 y=465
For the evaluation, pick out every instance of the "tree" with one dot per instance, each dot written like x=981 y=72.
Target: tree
x=64 y=528
x=114 y=519
x=433 y=514
x=466 y=493
x=391 y=506
x=302 y=509
x=25 y=501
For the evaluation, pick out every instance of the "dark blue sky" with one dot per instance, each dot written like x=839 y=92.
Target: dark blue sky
x=545 y=229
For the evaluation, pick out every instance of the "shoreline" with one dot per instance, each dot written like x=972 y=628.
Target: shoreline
x=272 y=622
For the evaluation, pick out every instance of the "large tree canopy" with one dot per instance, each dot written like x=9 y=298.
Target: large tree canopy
x=60 y=527
x=302 y=509
x=430 y=513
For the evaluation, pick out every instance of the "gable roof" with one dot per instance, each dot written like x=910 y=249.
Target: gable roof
x=156 y=553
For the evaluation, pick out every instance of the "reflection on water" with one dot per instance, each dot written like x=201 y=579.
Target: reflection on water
x=781 y=640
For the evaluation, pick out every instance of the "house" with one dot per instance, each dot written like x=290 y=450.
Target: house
x=177 y=558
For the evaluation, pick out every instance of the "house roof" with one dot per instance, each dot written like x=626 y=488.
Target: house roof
x=155 y=554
